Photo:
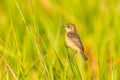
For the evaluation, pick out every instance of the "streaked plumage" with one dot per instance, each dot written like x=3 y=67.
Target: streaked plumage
x=73 y=40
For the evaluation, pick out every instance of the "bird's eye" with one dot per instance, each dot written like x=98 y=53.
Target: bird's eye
x=68 y=26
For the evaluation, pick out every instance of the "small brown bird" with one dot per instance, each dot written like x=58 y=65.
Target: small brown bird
x=73 y=40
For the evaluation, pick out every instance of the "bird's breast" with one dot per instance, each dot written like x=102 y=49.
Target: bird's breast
x=70 y=43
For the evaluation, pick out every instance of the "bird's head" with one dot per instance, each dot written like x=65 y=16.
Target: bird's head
x=70 y=27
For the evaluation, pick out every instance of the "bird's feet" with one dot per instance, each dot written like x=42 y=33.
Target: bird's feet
x=66 y=46
x=73 y=55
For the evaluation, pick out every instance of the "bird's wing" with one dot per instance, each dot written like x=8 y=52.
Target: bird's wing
x=76 y=39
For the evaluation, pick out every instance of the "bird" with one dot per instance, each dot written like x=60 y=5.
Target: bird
x=73 y=40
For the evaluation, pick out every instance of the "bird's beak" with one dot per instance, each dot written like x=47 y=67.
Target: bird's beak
x=65 y=26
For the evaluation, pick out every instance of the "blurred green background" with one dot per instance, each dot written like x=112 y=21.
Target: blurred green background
x=32 y=39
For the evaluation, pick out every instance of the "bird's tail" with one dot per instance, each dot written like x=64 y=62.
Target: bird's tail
x=84 y=56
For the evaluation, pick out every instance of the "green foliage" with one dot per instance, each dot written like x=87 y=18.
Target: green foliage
x=32 y=39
